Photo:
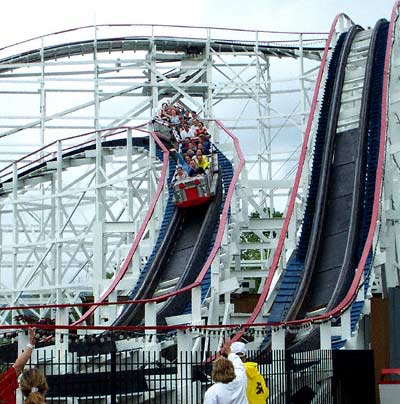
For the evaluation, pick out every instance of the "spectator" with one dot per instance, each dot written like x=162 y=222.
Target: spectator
x=230 y=380
x=257 y=391
x=8 y=379
x=189 y=146
x=193 y=128
x=192 y=146
x=190 y=153
x=33 y=386
x=185 y=144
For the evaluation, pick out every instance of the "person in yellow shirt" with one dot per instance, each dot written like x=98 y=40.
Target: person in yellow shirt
x=257 y=391
x=201 y=160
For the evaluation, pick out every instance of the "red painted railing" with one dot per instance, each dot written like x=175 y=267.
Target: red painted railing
x=45 y=154
x=213 y=253
x=352 y=293
x=221 y=228
x=251 y=321
x=125 y=266
x=293 y=195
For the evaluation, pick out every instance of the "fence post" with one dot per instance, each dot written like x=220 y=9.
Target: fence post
x=113 y=377
x=279 y=363
x=184 y=368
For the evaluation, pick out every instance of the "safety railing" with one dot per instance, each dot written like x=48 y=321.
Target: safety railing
x=303 y=154
x=47 y=153
x=345 y=304
x=102 y=301
x=133 y=376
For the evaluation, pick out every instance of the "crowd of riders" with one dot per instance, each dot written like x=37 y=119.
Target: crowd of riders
x=190 y=138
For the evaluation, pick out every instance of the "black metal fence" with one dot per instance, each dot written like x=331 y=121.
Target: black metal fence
x=150 y=377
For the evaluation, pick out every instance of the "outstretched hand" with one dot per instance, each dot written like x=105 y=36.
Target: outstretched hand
x=25 y=355
x=226 y=349
x=32 y=335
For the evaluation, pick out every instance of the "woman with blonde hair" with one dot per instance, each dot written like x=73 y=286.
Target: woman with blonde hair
x=8 y=379
x=33 y=386
x=230 y=381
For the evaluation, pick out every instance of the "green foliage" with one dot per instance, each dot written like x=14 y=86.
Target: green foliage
x=252 y=254
x=251 y=237
x=275 y=213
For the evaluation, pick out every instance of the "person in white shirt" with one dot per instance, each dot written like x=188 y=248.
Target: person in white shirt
x=193 y=128
x=230 y=380
x=185 y=131
x=180 y=174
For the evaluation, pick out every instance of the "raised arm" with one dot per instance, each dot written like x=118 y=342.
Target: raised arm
x=240 y=370
x=24 y=357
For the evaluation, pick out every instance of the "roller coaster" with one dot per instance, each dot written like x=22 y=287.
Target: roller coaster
x=93 y=242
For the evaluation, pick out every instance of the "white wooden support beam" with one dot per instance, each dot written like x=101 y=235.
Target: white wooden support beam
x=15 y=232
x=150 y=320
x=150 y=317
x=61 y=314
x=326 y=335
x=278 y=338
x=196 y=305
x=22 y=341
x=100 y=214
x=346 y=324
x=229 y=285
x=184 y=371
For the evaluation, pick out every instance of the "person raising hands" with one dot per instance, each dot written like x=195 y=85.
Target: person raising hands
x=229 y=377
x=8 y=379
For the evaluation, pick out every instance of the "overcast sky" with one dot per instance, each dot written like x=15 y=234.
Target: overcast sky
x=24 y=19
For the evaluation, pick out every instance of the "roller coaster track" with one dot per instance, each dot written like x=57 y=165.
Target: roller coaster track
x=37 y=169
x=346 y=194
x=166 y=43
x=33 y=169
x=335 y=309
x=180 y=251
x=355 y=276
